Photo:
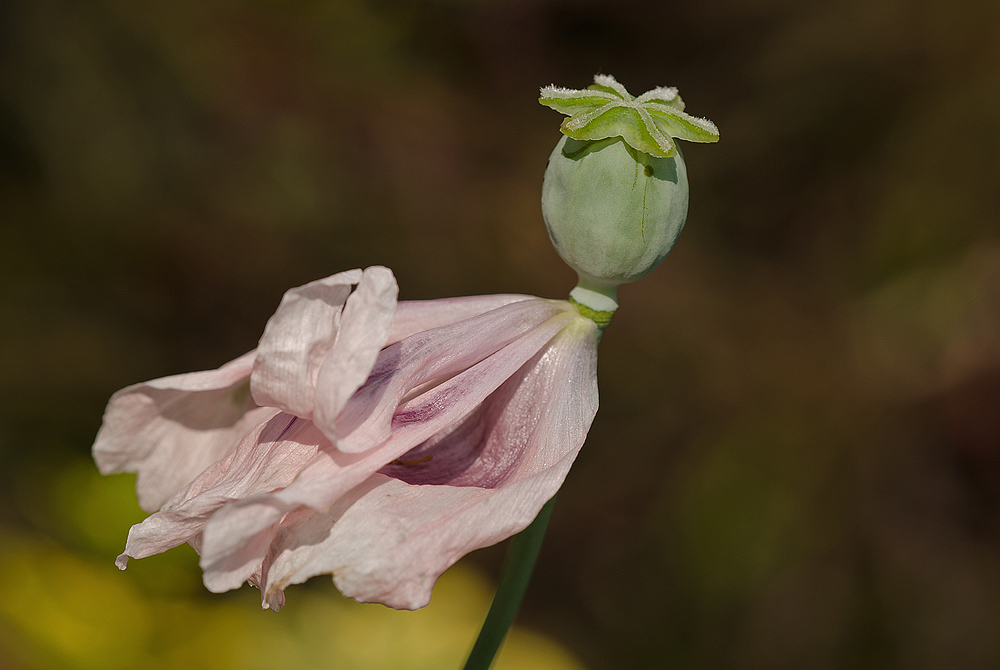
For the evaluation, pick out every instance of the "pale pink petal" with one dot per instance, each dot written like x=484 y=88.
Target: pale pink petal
x=388 y=540
x=268 y=458
x=297 y=339
x=427 y=357
x=242 y=562
x=170 y=429
x=363 y=331
x=413 y=316
x=332 y=474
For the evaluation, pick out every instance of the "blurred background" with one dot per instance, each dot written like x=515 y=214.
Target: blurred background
x=796 y=463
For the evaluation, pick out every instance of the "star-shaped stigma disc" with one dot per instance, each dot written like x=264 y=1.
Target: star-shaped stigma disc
x=648 y=123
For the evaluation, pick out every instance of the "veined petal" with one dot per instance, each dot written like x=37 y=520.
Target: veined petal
x=305 y=329
x=388 y=540
x=332 y=474
x=366 y=420
x=495 y=444
x=268 y=458
x=413 y=316
x=168 y=430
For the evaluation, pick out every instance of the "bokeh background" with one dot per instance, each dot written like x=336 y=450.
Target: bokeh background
x=796 y=463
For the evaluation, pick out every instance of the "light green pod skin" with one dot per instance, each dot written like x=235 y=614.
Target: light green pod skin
x=612 y=212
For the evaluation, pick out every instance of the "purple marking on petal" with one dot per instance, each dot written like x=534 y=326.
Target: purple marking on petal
x=420 y=412
x=483 y=450
x=427 y=356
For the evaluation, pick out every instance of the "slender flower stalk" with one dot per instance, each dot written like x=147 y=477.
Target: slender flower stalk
x=517 y=569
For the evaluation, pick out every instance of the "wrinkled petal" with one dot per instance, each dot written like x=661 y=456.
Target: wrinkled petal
x=394 y=439
x=313 y=329
x=429 y=356
x=168 y=430
x=389 y=540
x=364 y=328
x=413 y=316
x=332 y=474
x=268 y=458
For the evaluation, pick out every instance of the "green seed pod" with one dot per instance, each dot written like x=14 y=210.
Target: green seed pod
x=612 y=212
x=615 y=194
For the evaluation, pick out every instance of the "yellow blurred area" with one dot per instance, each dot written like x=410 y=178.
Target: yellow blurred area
x=66 y=608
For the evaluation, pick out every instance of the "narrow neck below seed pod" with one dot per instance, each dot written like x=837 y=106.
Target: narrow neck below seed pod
x=615 y=195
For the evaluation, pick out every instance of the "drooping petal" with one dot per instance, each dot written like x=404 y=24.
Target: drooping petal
x=364 y=328
x=333 y=474
x=310 y=326
x=389 y=540
x=413 y=316
x=268 y=458
x=168 y=430
x=430 y=355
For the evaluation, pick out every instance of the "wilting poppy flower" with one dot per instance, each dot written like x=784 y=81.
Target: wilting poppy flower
x=374 y=441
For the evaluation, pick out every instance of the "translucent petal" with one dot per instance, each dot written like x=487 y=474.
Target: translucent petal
x=168 y=430
x=389 y=540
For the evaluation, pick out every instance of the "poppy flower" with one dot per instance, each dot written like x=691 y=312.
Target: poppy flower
x=375 y=441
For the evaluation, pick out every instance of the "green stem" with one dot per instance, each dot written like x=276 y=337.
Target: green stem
x=518 y=565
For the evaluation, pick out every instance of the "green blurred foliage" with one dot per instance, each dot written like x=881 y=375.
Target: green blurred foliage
x=797 y=459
